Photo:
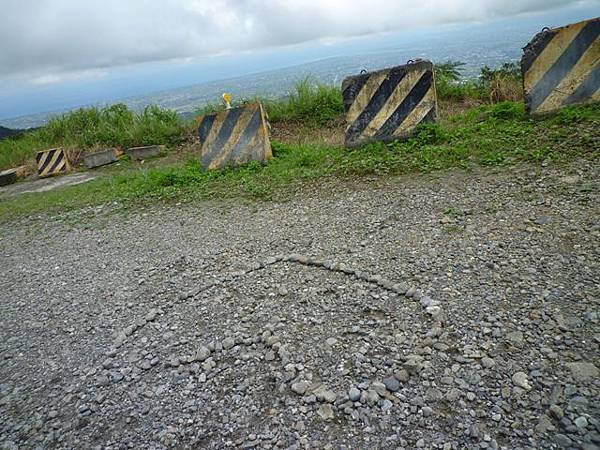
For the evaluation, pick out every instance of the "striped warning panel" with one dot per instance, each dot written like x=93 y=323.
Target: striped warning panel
x=388 y=104
x=51 y=162
x=234 y=137
x=561 y=67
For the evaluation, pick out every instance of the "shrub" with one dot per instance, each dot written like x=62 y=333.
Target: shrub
x=86 y=128
x=312 y=102
x=502 y=84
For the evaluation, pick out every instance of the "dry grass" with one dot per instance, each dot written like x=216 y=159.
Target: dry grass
x=505 y=88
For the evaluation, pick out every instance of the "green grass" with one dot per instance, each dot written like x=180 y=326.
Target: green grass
x=310 y=102
x=485 y=136
x=114 y=126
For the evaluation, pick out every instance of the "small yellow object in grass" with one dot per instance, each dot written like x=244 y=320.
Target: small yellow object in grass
x=227 y=100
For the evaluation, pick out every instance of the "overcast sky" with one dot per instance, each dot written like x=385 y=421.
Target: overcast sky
x=47 y=41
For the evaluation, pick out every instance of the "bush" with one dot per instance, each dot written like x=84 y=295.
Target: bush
x=310 y=102
x=494 y=85
x=86 y=128
x=502 y=84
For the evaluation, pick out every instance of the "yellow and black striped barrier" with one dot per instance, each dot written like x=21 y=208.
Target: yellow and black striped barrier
x=561 y=67
x=51 y=162
x=388 y=104
x=234 y=137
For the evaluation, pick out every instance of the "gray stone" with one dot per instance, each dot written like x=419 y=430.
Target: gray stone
x=354 y=394
x=488 y=363
x=151 y=316
x=379 y=387
x=228 y=343
x=174 y=362
x=402 y=375
x=331 y=341
x=434 y=394
x=581 y=422
x=425 y=301
x=300 y=387
x=325 y=411
x=520 y=379
x=392 y=384
x=201 y=354
x=326 y=395
x=556 y=412
x=583 y=371
x=369 y=397
x=427 y=411
x=563 y=440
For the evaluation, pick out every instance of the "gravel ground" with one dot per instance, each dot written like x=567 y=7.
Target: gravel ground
x=448 y=311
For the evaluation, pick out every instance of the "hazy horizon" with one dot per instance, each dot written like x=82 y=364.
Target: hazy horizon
x=467 y=41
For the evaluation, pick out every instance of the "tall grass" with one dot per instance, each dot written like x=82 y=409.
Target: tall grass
x=88 y=128
x=489 y=135
x=309 y=102
x=492 y=85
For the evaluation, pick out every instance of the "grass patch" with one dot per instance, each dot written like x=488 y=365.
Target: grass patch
x=492 y=85
x=88 y=128
x=310 y=102
x=489 y=135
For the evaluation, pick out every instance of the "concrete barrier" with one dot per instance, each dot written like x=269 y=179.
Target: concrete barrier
x=561 y=67
x=98 y=159
x=138 y=153
x=8 y=176
x=388 y=104
x=234 y=137
x=52 y=162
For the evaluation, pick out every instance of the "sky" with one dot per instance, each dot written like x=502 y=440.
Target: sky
x=60 y=44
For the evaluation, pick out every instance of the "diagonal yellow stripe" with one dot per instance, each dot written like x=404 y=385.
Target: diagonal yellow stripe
x=238 y=129
x=588 y=61
x=214 y=130
x=400 y=92
x=55 y=157
x=364 y=96
x=43 y=158
x=418 y=114
x=550 y=54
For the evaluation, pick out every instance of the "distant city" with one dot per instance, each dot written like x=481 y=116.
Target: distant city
x=476 y=45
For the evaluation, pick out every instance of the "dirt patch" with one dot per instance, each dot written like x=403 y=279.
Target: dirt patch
x=331 y=133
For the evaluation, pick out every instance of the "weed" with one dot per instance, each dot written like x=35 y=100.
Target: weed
x=89 y=128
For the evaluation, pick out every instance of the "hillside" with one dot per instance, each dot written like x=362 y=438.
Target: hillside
x=9 y=132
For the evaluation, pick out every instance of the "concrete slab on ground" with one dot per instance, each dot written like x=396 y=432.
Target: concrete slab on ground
x=138 y=153
x=45 y=184
x=101 y=158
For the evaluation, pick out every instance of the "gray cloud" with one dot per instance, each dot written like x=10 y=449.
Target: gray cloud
x=49 y=39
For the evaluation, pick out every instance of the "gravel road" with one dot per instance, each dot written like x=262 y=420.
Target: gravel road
x=449 y=311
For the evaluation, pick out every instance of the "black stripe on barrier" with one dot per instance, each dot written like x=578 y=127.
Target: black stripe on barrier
x=539 y=44
x=59 y=161
x=249 y=133
x=587 y=88
x=47 y=158
x=205 y=126
x=409 y=103
x=377 y=102
x=224 y=133
x=563 y=64
x=353 y=89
